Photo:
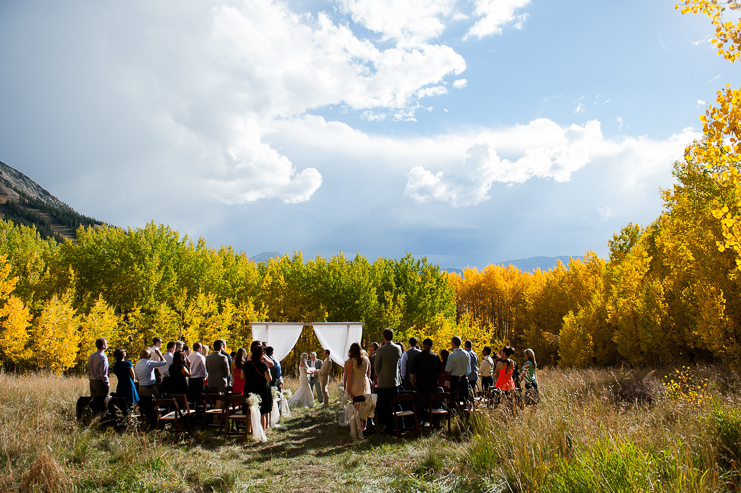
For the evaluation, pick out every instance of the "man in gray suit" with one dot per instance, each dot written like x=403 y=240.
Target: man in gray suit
x=314 y=376
x=388 y=378
x=217 y=367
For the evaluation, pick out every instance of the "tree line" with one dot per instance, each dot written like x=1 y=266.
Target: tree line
x=666 y=294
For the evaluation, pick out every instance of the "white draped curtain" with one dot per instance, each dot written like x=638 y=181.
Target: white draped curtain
x=338 y=337
x=282 y=336
x=335 y=336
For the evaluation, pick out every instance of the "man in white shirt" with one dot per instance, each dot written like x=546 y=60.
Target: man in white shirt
x=168 y=358
x=97 y=369
x=197 y=373
x=144 y=371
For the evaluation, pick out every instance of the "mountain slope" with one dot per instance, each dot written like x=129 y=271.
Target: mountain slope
x=23 y=201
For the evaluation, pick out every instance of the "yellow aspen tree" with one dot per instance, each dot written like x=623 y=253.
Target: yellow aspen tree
x=14 y=337
x=56 y=335
x=15 y=317
x=575 y=347
x=100 y=321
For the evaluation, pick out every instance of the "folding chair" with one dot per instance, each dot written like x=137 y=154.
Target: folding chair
x=215 y=408
x=168 y=411
x=235 y=413
x=186 y=413
x=445 y=400
x=404 y=413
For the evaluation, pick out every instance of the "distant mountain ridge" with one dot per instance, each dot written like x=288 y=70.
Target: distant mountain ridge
x=23 y=201
x=264 y=256
x=530 y=264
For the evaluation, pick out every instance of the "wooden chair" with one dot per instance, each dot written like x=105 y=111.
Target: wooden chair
x=444 y=410
x=215 y=409
x=235 y=413
x=186 y=413
x=168 y=411
x=398 y=399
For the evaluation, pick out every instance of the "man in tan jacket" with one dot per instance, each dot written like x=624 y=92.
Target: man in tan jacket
x=324 y=377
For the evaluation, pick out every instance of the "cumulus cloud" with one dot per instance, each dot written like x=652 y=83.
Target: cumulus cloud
x=558 y=154
x=460 y=83
x=494 y=15
x=432 y=91
x=410 y=21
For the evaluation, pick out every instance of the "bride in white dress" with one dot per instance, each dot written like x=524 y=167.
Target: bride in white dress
x=303 y=396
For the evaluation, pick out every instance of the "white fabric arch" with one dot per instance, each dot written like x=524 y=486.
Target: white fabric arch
x=335 y=336
x=338 y=337
x=282 y=336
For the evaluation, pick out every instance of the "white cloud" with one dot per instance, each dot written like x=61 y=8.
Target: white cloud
x=605 y=213
x=408 y=21
x=221 y=77
x=579 y=109
x=460 y=83
x=559 y=153
x=495 y=14
x=432 y=91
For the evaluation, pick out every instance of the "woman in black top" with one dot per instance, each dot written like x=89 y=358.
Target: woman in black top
x=178 y=374
x=257 y=381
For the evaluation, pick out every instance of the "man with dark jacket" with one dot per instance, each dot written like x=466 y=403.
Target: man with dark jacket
x=424 y=372
x=388 y=378
x=217 y=367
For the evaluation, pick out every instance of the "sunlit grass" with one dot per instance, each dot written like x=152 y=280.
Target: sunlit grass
x=595 y=430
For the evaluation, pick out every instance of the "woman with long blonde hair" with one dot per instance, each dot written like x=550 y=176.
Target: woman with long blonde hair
x=532 y=393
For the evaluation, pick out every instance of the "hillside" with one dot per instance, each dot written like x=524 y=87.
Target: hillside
x=24 y=201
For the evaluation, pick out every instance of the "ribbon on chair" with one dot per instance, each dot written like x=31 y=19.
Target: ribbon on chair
x=275 y=411
x=258 y=433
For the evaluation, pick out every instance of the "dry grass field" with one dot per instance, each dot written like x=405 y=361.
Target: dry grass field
x=595 y=430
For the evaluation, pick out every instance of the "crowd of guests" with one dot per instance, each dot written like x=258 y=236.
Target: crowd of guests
x=190 y=372
x=384 y=370
x=391 y=368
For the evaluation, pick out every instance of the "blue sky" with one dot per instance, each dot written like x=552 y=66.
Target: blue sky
x=470 y=131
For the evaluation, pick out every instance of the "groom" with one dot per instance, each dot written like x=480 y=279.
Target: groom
x=314 y=375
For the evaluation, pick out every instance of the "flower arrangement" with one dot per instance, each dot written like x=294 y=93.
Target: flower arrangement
x=254 y=400
x=275 y=392
x=287 y=393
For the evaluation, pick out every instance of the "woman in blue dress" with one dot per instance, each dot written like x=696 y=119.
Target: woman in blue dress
x=124 y=371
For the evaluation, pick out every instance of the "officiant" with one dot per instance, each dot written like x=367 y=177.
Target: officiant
x=312 y=368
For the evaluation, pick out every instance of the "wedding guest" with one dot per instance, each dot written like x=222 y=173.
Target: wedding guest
x=229 y=361
x=313 y=366
x=179 y=372
x=179 y=345
x=265 y=359
x=197 y=373
x=444 y=379
x=406 y=359
x=205 y=350
x=124 y=371
x=357 y=374
x=217 y=367
x=388 y=378
x=257 y=381
x=372 y=348
x=154 y=351
x=239 y=361
x=473 y=377
x=324 y=371
x=424 y=372
x=459 y=366
x=97 y=370
x=167 y=355
x=504 y=370
x=276 y=371
x=144 y=371
x=487 y=369
x=532 y=393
